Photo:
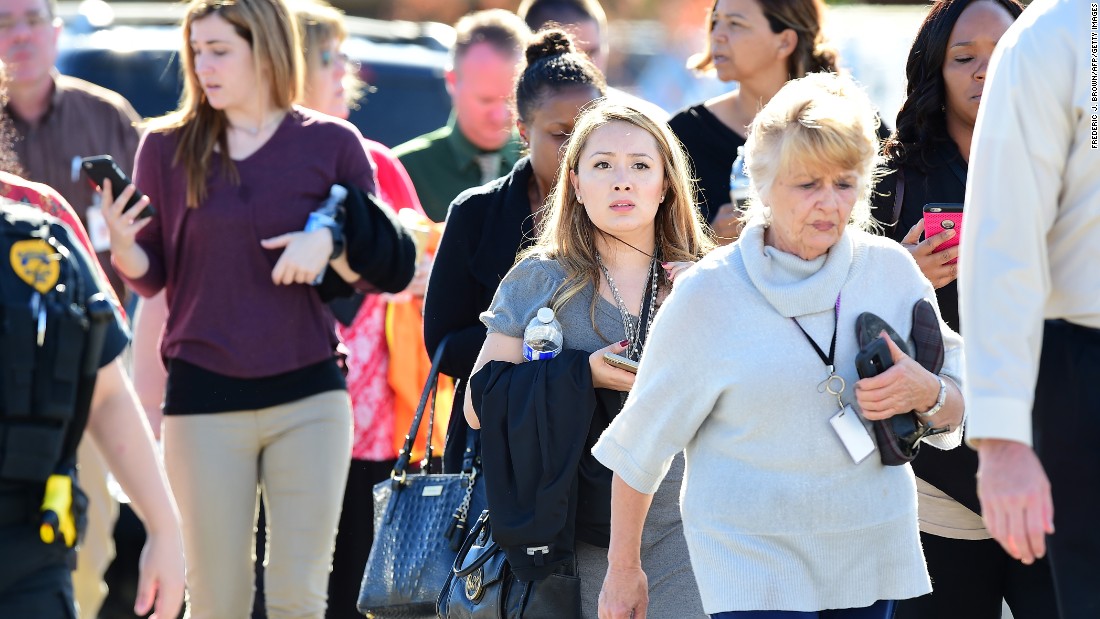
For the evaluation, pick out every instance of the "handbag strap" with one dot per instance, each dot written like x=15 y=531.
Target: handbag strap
x=430 y=385
x=475 y=533
x=899 y=197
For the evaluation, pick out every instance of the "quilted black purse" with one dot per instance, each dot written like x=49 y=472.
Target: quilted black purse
x=482 y=585
x=419 y=524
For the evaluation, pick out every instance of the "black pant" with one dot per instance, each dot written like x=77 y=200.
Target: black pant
x=1066 y=423
x=354 y=539
x=970 y=577
x=35 y=578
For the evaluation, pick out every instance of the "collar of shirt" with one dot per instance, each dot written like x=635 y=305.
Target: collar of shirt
x=465 y=153
x=56 y=98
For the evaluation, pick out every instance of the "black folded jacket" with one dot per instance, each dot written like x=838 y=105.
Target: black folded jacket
x=538 y=422
x=379 y=249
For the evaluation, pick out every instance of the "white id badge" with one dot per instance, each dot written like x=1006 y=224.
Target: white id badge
x=98 y=232
x=850 y=429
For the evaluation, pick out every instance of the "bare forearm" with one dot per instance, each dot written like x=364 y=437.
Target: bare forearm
x=150 y=376
x=132 y=262
x=628 y=512
x=343 y=269
x=122 y=433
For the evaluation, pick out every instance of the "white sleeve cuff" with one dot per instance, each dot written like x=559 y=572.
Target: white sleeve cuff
x=1000 y=418
x=617 y=458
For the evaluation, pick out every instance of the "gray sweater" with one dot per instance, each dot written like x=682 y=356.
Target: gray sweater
x=776 y=514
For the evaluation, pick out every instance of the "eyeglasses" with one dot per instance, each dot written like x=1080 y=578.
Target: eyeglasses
x=328 y=57
x=33 y=21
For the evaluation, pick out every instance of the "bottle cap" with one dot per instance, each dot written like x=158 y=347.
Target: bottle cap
x=338 y=192
x=546 y=315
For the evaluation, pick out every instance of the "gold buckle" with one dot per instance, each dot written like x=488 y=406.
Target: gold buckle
x=474 y=588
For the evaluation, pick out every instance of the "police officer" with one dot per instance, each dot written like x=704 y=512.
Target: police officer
x=60 y=337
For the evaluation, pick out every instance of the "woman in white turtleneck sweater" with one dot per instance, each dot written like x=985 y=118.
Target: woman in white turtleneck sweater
x=777 y=513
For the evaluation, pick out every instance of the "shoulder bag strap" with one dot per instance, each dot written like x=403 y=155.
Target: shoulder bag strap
x=899 y=197
x=402 y=464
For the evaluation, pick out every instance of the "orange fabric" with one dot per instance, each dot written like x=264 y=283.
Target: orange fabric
x=409 y=363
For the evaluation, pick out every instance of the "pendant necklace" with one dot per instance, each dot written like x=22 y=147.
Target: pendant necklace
x=634 y=332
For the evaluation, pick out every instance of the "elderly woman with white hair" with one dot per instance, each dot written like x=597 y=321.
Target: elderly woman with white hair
x=786 y=511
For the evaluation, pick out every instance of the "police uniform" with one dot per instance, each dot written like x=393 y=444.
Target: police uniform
x=57 y=328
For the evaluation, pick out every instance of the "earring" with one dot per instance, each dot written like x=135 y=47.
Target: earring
x=580 y=200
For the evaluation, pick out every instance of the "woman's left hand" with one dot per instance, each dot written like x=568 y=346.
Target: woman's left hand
x=305 y=256
x=674 y=269
x=905 y=387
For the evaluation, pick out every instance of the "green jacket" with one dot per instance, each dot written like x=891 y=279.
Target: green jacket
x=442 y=164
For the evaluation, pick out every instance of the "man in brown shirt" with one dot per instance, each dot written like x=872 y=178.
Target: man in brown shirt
x=58 y=120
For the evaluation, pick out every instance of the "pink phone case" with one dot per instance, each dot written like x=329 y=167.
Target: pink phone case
x=944 y=219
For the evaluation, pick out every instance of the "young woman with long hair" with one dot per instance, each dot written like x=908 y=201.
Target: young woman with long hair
x=254 y=396
x=621 y=225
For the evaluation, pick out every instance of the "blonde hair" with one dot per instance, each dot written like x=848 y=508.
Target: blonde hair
x=276 y=56
x=568 y=236
x=318 y=23
x=819 y=121
x=811 y=54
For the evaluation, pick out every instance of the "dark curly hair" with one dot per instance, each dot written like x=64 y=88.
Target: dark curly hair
x=922 y=122
x=553 y=63
x=9 y=161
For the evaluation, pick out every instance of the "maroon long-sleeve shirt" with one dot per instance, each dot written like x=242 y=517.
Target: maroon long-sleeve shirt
x=225 y=314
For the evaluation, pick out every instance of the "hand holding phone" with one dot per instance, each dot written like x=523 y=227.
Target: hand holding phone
x=939 y=217
x=103 y=167
x=621 y=362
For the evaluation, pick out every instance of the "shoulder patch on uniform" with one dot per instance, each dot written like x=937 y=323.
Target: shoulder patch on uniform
x=36 y=263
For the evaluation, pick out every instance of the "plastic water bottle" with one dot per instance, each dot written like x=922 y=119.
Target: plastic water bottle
x=739 y=181
x=542 y=338
x=325 y=214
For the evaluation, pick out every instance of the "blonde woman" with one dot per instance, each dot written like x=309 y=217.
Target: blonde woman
x=782 y=519
x=621 y=226
x=254 y=397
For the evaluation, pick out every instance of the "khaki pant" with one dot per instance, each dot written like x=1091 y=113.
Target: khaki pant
x=98 y=547
x=298 y=452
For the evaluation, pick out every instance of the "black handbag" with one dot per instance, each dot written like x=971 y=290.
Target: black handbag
x=419 y=524
x=482 y=585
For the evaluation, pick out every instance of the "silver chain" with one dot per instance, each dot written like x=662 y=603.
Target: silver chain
x=633 y=332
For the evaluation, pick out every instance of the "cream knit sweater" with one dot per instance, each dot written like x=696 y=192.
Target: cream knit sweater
x=776 y=514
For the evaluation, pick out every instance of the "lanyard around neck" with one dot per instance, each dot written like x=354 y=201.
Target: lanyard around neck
x=828 y=360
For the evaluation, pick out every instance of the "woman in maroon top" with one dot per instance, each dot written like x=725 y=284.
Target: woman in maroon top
x=254 y=396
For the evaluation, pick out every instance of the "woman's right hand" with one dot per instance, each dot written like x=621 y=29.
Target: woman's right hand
x=932 y=263
x=607 y=376
x=625 y=593
x=122 y=222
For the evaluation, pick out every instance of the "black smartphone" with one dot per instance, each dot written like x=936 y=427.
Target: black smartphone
x=103 y=167
x=874 y=360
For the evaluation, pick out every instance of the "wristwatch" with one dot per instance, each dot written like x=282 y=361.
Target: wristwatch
x=939 y=400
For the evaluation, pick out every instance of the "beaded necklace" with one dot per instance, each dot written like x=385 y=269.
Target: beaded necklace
x=634 y=331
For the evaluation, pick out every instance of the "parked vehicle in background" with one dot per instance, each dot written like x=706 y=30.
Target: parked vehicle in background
x=132 y=48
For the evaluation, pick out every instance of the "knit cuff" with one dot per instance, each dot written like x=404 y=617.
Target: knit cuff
x=617 y=458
